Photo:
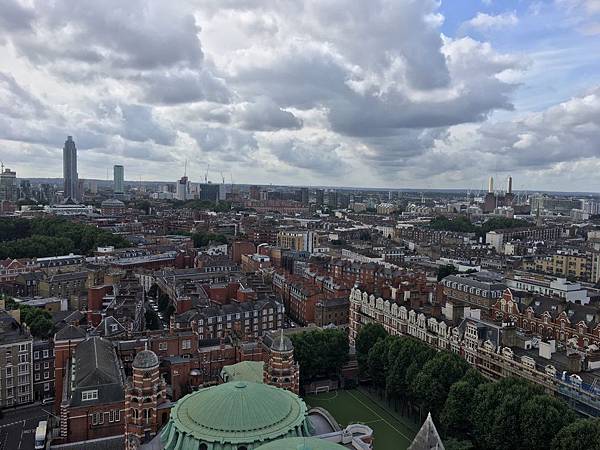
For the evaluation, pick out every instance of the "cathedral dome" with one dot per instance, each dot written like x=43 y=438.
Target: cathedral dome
x=301 y=444
x=235 y=415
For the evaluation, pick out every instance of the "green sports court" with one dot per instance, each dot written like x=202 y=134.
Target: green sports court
x=391 y=432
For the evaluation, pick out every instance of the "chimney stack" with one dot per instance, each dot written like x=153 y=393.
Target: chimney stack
x=491 y=185
x=509 y=185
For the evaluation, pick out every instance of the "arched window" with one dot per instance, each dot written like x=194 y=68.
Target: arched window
x=203 y=447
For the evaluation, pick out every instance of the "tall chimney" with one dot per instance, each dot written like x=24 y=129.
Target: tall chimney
x=509 y=185
x=491 y=185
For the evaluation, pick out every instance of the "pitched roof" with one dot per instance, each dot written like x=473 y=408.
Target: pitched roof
x=96 y=366
x=70 y=333
x=427 y=438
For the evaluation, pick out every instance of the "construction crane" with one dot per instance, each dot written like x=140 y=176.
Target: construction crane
x=222 y=178
x=206 y=174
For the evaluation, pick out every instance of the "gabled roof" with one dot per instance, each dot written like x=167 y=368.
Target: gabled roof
x=96 y=367
x=105 y=328
x=70 y=333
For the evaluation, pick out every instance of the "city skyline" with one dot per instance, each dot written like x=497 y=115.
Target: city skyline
x=440 y=96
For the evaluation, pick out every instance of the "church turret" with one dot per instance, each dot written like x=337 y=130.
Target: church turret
x=145 y=392
x=280 y=368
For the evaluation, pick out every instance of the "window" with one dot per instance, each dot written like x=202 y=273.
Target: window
x=23 y=358
x=117 y=415
x=162 y=345
x=36 y=366
x=36 y=355
x=46 y=353
x=111 y=416
x=46 y=375
x=89 y=395
x=95 y=419
x=22 y=348
x=46 y=387
x=46 y=364
x=186 y=344
x=37 y=377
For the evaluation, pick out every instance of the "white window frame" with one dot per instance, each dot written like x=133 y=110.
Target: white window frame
x=89 y=395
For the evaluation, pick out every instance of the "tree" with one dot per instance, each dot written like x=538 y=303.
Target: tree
x=320 y=352
x=444 y=271
x=163 y=301
x=455 y=444
x=455 y=417
x=365 y=339
x=406 y=357
x=431 y=386
x=38 y=320
x=496 y=413
x=377 y=362
x=152 y=320
x=202 y=239
x=40 y=237
x=542 y=417
x=582 y=434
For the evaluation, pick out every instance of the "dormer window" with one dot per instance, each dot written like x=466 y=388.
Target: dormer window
x=89 y=395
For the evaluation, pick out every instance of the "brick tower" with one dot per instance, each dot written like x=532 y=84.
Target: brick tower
x=144 y=394
x=281 y=369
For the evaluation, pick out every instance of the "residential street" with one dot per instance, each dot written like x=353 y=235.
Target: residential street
x=17 y=427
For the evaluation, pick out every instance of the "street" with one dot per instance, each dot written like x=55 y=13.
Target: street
x=17 y=427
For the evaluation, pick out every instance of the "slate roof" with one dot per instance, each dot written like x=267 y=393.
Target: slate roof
x=105 y=328
x=70 y=332
x=10 y=330
x=96 y=366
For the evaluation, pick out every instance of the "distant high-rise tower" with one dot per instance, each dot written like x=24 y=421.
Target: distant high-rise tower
x=8 y=185
x=319 y=194
x=119 y=179
x=70 y=175
x=509 y=185
x=491 y=185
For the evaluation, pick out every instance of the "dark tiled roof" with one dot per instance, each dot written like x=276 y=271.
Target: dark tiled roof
x=97 y=367
x=10 y=330
x=70 y=332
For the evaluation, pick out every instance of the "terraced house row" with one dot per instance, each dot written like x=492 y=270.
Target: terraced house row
x=566 y=363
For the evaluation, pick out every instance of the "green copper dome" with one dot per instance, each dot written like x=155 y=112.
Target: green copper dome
x=235 y=415
x=301 y=444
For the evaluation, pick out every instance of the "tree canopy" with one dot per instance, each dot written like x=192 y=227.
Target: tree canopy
x=320 y=352
x=40 y=237
x=471 y=411
x=366 y=338
x=462 y=224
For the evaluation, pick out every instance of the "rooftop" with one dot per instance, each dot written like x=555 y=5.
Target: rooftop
x=235 y=414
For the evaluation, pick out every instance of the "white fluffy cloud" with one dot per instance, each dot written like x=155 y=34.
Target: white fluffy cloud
x=483 y=21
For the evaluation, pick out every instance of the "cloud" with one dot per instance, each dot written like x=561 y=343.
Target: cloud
x=486 y=22
x=264 y=115
x=328 y=92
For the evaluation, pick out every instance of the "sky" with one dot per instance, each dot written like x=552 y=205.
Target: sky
x=378 y=93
